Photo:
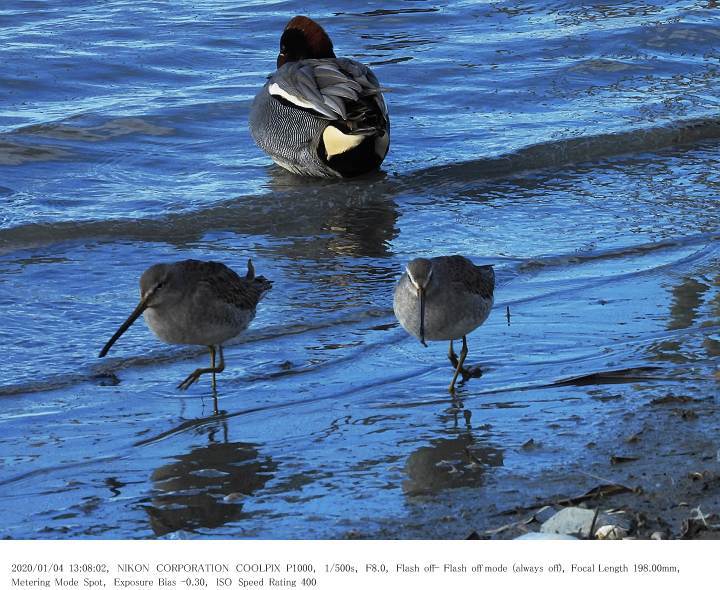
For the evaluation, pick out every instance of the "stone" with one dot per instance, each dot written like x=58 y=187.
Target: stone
x=610 y=532
x=545 y=537
x=577 y=521
x=570 y=521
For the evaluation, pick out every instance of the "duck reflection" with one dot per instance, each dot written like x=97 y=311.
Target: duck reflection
x=363 y=230
x=355 y=218
x=205 y=488
x=449 y=463
x=687 y=299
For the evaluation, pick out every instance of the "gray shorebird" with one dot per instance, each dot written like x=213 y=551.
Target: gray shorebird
x=320 y=115
x=195 y=302
x=444 y=298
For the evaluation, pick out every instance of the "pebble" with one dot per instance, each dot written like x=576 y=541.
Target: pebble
x=545 y=537
x=611 y=532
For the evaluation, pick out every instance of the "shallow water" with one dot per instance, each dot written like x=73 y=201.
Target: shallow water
x=572 y=145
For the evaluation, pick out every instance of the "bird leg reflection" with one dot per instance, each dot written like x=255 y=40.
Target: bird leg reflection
x=195 y=375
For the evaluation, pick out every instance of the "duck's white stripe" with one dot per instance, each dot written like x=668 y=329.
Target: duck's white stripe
x=275 y=90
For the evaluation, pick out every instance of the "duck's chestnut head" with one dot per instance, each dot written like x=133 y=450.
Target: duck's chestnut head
x=303 y=38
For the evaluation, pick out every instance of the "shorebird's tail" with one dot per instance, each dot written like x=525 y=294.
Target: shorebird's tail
x=261 y=282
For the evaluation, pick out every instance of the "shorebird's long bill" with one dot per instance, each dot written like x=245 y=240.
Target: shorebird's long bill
x=126 y=324
x=422 y=317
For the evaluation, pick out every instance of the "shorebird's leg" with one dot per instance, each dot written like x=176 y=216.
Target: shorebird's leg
x=452 y=356
x=221 y=367
x=212 y=364
x=471 y=371
x=458 y=368
x=218 y=369
x=195 y=375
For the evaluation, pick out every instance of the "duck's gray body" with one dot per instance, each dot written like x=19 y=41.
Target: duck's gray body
x=458 y=299
x=290 y=117
x=289 y=136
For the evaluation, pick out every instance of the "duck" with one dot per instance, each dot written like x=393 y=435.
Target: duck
x=320 y=115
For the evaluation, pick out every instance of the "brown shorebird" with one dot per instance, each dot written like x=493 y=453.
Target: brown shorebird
x=444 y=298
x=195 y=302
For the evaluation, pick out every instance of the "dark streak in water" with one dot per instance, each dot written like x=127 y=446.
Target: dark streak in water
x=556 y=154
x=628 y=375
x=15 y=153
x=250 y=213
x=387 y=12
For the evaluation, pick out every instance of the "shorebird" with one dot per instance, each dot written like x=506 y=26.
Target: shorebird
x=195 y=302
x=444 y=298
x=320 y=115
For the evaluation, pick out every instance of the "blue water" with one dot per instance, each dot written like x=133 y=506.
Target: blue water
x=573 y=145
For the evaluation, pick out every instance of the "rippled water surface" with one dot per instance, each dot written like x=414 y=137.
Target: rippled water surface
x=574 y=145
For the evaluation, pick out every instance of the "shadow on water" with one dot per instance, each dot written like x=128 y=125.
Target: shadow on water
x=447 y=463
x=308 y=208
x=206 y=487
x=693 y=314
x=687 y=297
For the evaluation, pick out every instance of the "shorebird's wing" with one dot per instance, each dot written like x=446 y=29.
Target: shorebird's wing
x=331 y=88
x=243 y=293
x=213 y=281
x=479 y=280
